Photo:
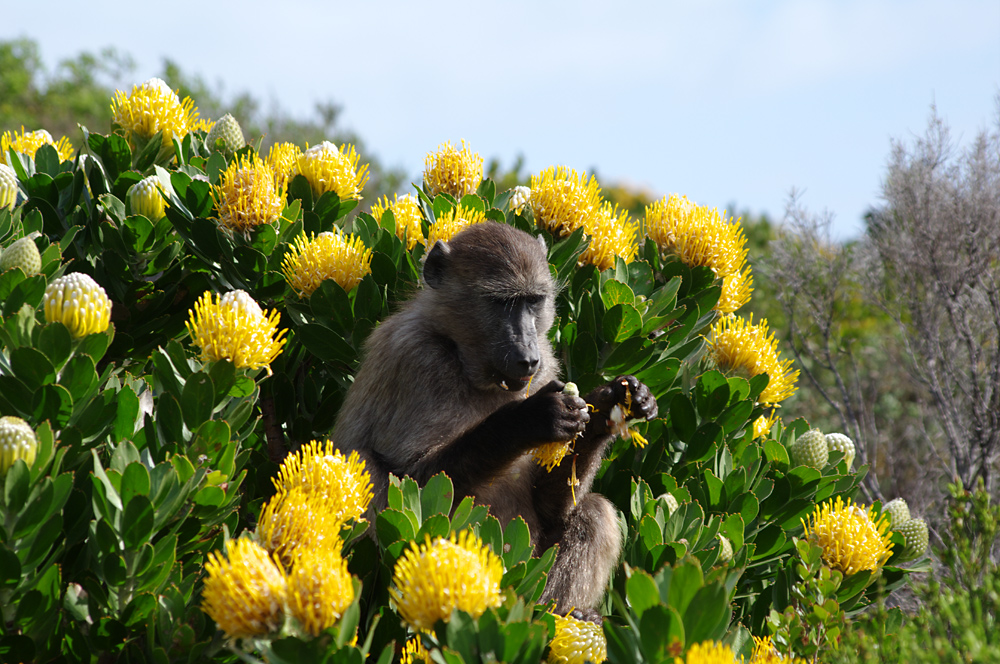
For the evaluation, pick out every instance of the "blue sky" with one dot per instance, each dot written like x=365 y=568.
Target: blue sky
x=721 y=101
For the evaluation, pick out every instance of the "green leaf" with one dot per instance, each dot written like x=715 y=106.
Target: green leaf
x=615 y=292
x=135 y=482
x=661 y=630
x=437 y=495
x=517 y=542
x=683 y=418
x=641 y=591
x=707 y=614
x=620 y=322
x=125 y=417
x=31 y=366
x=197 y=399
x=326 y=344
x=53 y=403
x=55 y=342
x=393 y=526
x=16 y=484
x=137 y=522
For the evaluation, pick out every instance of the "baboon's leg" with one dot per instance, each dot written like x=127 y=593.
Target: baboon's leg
x=588 y=552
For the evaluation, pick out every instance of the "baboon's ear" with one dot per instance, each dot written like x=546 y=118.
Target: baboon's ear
x=436 y=264
x=541 y=241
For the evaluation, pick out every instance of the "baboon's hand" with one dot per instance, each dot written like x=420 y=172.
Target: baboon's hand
x=634 y=398
x=549 y=415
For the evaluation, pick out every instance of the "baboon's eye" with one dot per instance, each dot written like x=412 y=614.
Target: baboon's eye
x=534 y=300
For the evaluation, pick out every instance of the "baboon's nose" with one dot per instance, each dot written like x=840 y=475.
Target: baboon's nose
x=528 y=365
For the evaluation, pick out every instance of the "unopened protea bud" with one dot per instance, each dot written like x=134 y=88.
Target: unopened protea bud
x=23 y=254
x=671 y=502
x=838 y=442
x=914 y=533
x=898 y=511
x=725 y=549
x=79 y=303
x=17 y=441
x=225 y=135
x=8 y=186
x=146 y=198
x=810 y=450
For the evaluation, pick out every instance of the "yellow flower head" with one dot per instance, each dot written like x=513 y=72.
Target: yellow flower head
x=664 y=216
x=245 y=591
x=850 y=537
x=577 y=641
x=453 y=171
x=764 y=652
x=28 y=142
x=763 y=424
x=708 y=652
x=740 y=347
x=79 y=303
x=146 y=197
x=406 y=211
x=153 y=107
x=550 y=455
x=297 y=521
x=699 y=235
x=17 y=441
x=456 y=220
x=234 y=327
x=246 y=196
x=8 y=184
x=314 y=259
x=319 y=589
x=611 y=234
x=329 y=169
x=282 y=159
x=321 y=468
x=414 y=652
x=736 y=289
x=563 y=200
x=435 y=578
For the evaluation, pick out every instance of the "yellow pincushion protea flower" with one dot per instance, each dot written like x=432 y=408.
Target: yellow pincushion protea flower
x=736 y=289
x=763 y=424
x=297 y=521
x=246 y=196
x=319 y=589
x=663 y=218
x=146 y=197
x=577 y=641
x=321 y=468
x=229 y=328
x=282 y=159
x=563 y=200
x=764 y=652
x=453 y=171
x=8 y=184
x=851 y=538
x=79 y=303
x=611 y=234
x=414 y=652
x=708 y=652
x=17 y=441
x=314 y=259
x=745 y=349
x=28 y=142
x=433 y=579
x=406 y=211
x=150 y=108
x=244 y=592
x=453 y=222
x=330 y=169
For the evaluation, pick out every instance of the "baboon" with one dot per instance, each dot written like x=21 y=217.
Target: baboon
x=443 y=387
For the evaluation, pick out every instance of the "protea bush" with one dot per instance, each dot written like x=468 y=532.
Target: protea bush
x=181 y=350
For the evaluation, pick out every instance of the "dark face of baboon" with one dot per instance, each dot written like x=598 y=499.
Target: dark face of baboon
x=494 y=295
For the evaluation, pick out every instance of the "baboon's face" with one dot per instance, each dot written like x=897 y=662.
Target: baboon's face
x=494 y=283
